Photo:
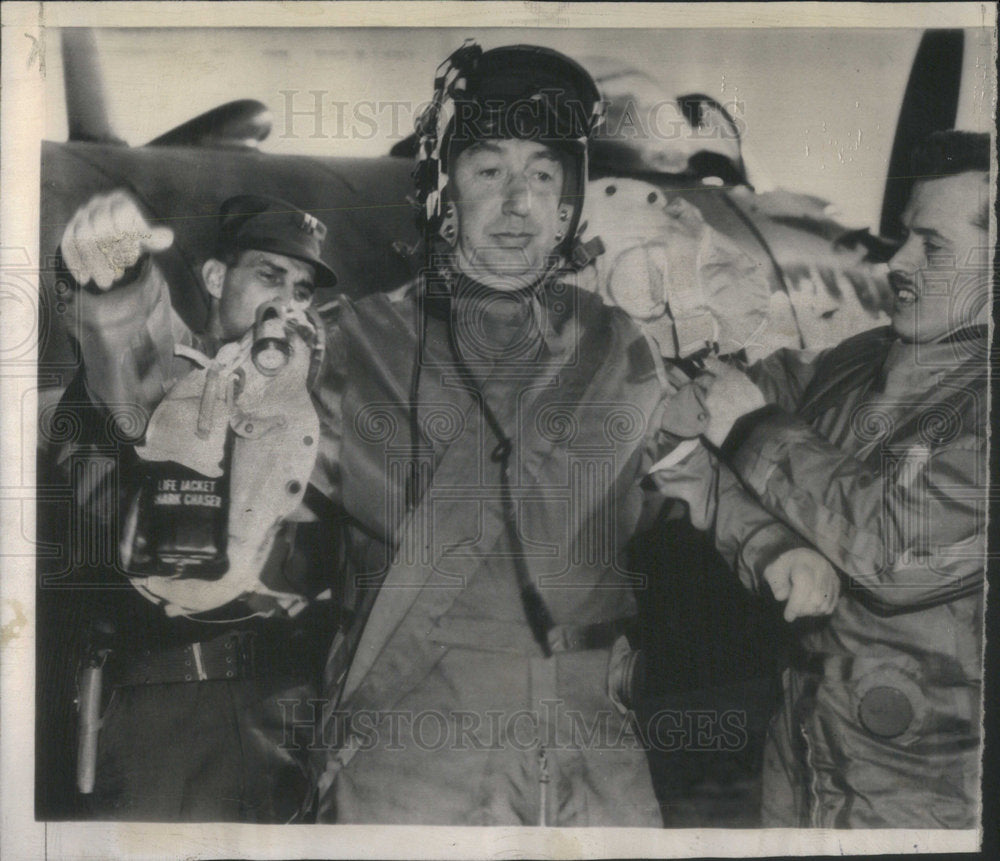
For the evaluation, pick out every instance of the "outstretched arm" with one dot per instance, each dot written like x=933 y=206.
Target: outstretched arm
x=755 y=544
x=910 y=533
x=907 y=531
x=127 y=327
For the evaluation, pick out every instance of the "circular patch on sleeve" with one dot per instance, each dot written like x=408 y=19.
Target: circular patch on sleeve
x=885 y=711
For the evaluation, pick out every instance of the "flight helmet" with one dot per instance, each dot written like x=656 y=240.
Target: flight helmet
x=517 y=91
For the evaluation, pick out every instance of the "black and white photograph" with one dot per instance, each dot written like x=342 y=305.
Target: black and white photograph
x=495 y=430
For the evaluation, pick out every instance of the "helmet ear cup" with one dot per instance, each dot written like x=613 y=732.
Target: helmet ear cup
x=565 y=213
x=448 y=230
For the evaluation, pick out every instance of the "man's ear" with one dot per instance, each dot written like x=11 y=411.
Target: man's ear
x=213 y=273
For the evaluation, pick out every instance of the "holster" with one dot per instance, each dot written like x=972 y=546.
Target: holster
x=89 y=703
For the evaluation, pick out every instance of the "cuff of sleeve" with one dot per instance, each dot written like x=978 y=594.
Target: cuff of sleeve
x=764 y=546
x=138 y=271
x=132 y=298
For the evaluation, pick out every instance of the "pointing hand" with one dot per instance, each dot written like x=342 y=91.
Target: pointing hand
x=106 y=236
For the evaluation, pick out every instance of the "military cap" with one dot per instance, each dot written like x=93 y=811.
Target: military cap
x=250 y=221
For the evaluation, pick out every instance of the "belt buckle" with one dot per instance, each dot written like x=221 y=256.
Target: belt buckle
x=195 y=660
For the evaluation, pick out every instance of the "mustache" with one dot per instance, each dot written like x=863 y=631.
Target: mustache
x=898 y=281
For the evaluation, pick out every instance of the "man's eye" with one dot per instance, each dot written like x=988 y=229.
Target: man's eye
x=543 y=176
x=267 y=275
x=303 y=294
x=489 y=172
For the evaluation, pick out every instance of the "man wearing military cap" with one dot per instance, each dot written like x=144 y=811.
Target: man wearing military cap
x=190 y=723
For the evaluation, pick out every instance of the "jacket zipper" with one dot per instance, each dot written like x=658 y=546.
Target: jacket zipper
x=543 y=786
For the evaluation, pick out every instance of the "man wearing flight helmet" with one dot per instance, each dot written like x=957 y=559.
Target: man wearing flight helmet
x=495 y=422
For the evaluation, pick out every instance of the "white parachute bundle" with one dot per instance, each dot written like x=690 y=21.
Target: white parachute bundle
x=685 y=284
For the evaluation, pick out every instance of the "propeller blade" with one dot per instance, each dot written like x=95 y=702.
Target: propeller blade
x=930 y=104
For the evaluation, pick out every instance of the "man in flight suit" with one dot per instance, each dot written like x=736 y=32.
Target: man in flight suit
x=876 y=452
x=193 y=729
x=496 y=422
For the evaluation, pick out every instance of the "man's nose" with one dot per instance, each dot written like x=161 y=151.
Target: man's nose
x=285 y=293
x=517 y=196
x=909 y=258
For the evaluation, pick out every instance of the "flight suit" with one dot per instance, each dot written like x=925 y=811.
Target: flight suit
x=443 y=706
x=876 y=452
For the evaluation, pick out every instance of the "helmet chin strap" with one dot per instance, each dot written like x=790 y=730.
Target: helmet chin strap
x=565 y=214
